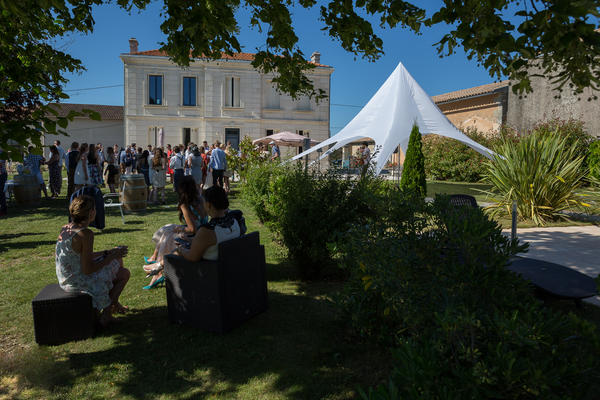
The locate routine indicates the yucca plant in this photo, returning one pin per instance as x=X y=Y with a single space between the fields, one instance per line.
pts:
x=541 y=172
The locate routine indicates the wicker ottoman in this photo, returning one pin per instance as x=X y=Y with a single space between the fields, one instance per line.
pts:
x=60 y=317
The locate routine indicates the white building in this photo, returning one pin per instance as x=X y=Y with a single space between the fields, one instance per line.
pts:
x=221 y=100
x=108 y=131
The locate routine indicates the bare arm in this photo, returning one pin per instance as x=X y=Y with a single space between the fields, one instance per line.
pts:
x=202 y=241
x=83 y=243
x=190 y=228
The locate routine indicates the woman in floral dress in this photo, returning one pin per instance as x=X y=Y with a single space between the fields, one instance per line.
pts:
x=80 y=269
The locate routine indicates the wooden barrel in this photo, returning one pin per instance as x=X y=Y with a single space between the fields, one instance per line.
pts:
x=26 y=190
x=133 y=192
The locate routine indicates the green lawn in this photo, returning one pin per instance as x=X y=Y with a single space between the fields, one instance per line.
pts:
x=296 y=350
x=444 y=187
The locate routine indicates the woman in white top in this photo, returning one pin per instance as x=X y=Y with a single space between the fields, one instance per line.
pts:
x=222 y=226
x=81 y=171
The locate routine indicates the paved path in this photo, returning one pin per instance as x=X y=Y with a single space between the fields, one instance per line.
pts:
x=577 y=247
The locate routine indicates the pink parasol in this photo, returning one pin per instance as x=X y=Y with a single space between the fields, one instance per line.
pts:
x=284 y=139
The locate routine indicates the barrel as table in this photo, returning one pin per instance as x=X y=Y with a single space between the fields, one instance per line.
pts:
x=134 y=192
x=26 y=190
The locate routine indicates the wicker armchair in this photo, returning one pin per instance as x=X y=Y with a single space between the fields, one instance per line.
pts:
x=217 y=296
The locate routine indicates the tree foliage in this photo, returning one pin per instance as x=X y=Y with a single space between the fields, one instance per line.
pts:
x=505 y=36
x=413 y=171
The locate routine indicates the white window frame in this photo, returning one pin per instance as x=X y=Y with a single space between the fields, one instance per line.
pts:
x=227 y=91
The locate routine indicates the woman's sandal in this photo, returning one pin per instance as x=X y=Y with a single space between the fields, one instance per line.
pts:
x=148 y=261
x=155 y=284
x=154 y=271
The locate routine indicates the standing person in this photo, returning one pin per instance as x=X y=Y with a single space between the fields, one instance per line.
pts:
x=62 y=156
x=195 y=164
x=217 y=164
x=228 y=173
x=150 y=149
x=365 y=154
x=55 y=172
x=205 y=146
x=81 y=170
x=95 y=177
x=159 y=176
x=177 y=164
x=72 y=158
x=202 y=150
x=275 y=153
x=34 y=162
x=80 y=269
x=112 y=171
x=101 y=160
x=143 y=167
x=169 y=170
x=3 y=178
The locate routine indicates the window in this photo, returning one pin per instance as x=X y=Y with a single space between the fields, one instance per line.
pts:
x=232 y=91
x=189 y=91
x=272 y=97
x=269 y=132
x=155 y=89
x=303 y=103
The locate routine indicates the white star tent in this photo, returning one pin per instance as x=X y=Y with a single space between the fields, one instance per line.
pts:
x=388 y=119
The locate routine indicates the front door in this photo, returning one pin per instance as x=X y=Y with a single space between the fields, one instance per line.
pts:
x=187 y=136
x=233 y=135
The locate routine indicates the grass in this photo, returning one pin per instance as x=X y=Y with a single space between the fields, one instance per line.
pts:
x=298 y=349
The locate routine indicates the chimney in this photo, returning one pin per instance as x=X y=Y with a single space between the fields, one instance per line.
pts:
x=133 y=45
x=315 y=58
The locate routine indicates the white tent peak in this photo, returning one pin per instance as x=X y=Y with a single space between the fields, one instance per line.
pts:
x=388 y=119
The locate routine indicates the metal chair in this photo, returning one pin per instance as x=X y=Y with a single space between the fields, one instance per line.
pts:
x=109 y=202
x=463 y=200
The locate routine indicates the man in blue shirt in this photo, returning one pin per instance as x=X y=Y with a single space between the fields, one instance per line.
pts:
x=275 y=154
x=217 y=164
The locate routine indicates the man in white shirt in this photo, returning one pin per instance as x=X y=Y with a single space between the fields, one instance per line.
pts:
x=61 y=154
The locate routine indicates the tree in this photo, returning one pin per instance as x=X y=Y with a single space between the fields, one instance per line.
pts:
x=505 y=36
x=413 y=171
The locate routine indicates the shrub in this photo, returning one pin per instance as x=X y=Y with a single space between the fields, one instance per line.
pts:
x=449 y=159
x=413 y=172
x=255 y=188
x=247 y=157
x=572 y=130
x=430 y=281
x=541 y=172
x=310 y=209
x=593 y=159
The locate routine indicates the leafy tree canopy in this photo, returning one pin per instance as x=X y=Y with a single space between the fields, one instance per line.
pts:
x=505 y=36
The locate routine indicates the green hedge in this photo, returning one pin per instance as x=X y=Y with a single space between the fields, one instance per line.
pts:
x=429 y=281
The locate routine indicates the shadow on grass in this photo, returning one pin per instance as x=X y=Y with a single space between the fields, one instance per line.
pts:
x=25 y=245
x=9 y=236
x=287 y=350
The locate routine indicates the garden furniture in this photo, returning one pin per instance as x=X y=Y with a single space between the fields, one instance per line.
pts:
x=217 y=296
x=60 y=317
x=553 y=279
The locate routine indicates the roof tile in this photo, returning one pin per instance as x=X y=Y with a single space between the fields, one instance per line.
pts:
x=224 y=56
x=106 y=112
x=474 y=91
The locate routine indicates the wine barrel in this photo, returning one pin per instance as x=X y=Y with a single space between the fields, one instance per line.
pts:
x=133 y=192
x=26 y=190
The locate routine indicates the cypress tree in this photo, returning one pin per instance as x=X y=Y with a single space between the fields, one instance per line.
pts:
x=413 y=173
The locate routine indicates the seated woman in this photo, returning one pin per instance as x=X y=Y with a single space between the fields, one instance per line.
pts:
x=222 y=226
x=167 y=238
x=79 y=268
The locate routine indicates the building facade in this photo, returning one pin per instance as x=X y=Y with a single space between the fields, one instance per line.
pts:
x=108 y=131
x=211 y=100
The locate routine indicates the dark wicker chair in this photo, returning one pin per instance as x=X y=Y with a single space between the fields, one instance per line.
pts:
x=60 y=317
x=463 y=200
x=217 y=296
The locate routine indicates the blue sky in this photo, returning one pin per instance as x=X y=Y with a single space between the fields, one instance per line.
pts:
x=353 y=82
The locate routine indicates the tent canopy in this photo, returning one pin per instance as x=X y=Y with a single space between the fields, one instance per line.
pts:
x=388 y=119
x=284 y=139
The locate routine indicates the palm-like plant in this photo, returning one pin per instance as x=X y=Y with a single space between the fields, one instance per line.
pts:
x=541 y=172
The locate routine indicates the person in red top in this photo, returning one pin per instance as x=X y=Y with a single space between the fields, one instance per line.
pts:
x=204 y=163
x=169 y=170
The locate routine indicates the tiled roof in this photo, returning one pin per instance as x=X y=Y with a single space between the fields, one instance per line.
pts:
x=224 y=56
x=106 y=112
x=474 y=91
